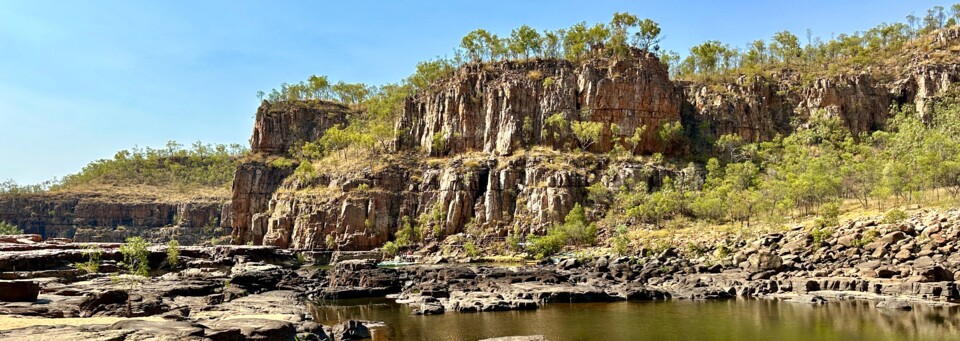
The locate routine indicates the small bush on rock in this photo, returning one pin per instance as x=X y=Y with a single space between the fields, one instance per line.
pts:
x=894 y=216
x=135 y=256
x=173 y=253
x=7 y=228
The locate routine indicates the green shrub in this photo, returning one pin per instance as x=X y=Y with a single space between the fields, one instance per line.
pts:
x=513 y=243
x=830 y=213
x=282 y=162
x=820 y=235
x=93 y=254
x=173 y=253
x=547 y=245
x=438 y=144
x=135 y=256
x=7 y=228
x=621 y=243
x=390 y=249
x=867 y=238
x=574 y=230
x=894 y=216
x=470 y=247
x=547 y=82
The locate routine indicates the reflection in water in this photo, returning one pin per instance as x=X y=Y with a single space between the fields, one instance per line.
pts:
x=672 y=320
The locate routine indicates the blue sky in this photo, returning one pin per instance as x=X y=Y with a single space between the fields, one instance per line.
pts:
x=80 y=80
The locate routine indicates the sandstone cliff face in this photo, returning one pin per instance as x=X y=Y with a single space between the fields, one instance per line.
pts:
x=485 y=124
x=97 y=218
x=759 y=109
x=495 y=195
x=504 y=107
x=254 y=183
x=283 y=125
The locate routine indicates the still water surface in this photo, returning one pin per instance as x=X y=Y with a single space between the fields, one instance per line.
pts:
x=671 y=320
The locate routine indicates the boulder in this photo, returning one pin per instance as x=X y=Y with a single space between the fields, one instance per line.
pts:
x=351 y=330
x=258 y=328
x=764 y=261
x=894 y=305
x=19 y=291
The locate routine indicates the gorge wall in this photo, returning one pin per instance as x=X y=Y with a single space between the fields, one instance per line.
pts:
x=466 y=157
x=89 y=217
x=502 y=108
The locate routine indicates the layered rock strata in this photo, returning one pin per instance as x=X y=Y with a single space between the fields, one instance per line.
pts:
x=102 y=218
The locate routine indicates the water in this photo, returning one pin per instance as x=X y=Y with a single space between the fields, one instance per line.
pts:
x=671 y=320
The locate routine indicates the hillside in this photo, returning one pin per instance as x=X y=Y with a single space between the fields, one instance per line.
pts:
x=497 y=153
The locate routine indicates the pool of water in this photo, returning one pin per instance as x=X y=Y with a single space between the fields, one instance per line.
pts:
x=671 y=320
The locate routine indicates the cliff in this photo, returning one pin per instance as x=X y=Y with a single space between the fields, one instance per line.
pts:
x=503 y=107
x=106 y=217
x=476 y=152
x=284 y=125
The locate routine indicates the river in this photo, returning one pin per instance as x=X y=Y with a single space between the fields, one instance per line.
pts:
x=743 y=319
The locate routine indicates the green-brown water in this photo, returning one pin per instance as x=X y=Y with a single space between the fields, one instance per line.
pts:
x=671 y=320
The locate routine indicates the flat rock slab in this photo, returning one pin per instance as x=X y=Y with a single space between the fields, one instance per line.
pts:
x=258 y=329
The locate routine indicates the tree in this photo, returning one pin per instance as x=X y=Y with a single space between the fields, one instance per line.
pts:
x=636 y=140
x=575 y=42
x=475 y=44
x=429 y=72
x=526 y=41
x=671 y=59
x=350 y=93
x=955 y=11
x=616 y=45
x=935 y=19
x=136 y=263
x=785 y=46
x=707 y=57
x=319 y=87
x=756 y=53
x=552 y=44
x=135 y=256
x=586 y=133
x=648 y=36
x=596 y=36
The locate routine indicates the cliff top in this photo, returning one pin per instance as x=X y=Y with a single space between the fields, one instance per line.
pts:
x=131 y=194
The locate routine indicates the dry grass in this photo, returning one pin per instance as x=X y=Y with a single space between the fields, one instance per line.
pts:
x=142 y=193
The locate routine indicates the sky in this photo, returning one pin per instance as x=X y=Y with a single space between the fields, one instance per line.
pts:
x=80 y=80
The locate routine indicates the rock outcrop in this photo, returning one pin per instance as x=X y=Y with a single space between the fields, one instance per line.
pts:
x=504 y=107
x=103 y=218
x=283 y=125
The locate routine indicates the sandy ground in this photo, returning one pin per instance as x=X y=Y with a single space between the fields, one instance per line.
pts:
x=8 y=322
x=12 y=322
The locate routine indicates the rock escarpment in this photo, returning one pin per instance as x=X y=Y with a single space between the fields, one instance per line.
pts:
x=522 y=194
x=283 y=125
x=102 y=218
x=758 y=108
x=505 y=107
x=491 y=149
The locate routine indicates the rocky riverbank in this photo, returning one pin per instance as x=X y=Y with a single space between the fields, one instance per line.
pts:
x=263 y=293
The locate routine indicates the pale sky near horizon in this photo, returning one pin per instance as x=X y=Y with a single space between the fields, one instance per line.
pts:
x=82 y=80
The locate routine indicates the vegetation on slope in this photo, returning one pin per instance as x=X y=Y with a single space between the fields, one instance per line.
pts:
x=200 y=168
